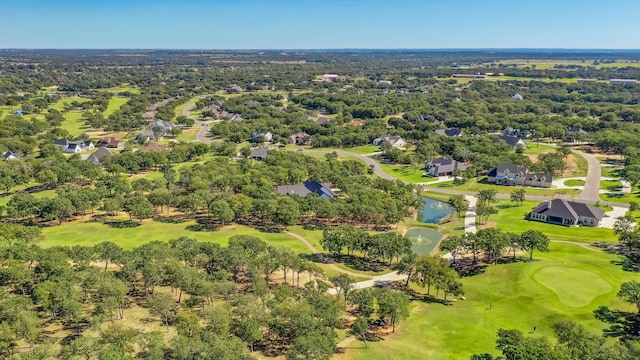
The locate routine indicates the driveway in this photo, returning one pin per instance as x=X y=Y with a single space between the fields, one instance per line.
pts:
x=591 y=191
x=611 y=216
x=470 y=215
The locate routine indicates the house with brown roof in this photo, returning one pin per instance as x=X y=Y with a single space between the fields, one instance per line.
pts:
x=153 y=147
x=300 y=138
x=111 y=143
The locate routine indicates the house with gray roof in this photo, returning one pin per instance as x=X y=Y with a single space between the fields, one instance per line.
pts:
x=98 y=156
x=395 y=141
x=567 y=213
x=513 y=141
x=453 y=132
x=10 y=156
x=161 y=126
x=323 y=190
x=258 y=136
x=74 y=147
x=259 y=154
x=515 y=175
x=443 y=167
x=575 y=134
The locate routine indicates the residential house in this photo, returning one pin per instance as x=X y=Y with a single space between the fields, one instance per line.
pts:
x=111 y=143
x=233 y=117
x=513 y=141
x=162 y=127
x=10 y=156
x=517 y=97
x=259 y=154
x=512 y=174
x=575 y=134
x=234 y=89
x=300 y=138
x=145 y=137
x=443 y=167
x=74 y=147
x=258 y=136
x=509 y=131
x=251 y=103
x=323 y=120
x=453 y=132
x=18 y=112
x=568 y=213
x=323 y=190
x=153 y=147
x=395 y=141
x=98 y=156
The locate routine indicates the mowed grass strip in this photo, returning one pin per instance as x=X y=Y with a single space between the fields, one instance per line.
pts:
x=89 y=233
x=558 y=285
x=406 y=173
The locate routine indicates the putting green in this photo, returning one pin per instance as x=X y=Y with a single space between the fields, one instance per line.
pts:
x=574 y=287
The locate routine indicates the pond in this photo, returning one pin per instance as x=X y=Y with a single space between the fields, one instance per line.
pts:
x=433 y=210
x=424 y=240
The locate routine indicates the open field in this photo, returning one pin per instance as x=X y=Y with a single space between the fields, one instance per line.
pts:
x=124 y=88
x=481 y=184
x=363 y=150
x=180 y=108
x=611 y=185
x=406 y=173
x=88 y=233
x=537 y=149
x=567 y=283
x=511 y=218
x=114 y=104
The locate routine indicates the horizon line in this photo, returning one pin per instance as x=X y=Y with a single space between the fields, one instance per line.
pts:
x=328 y=49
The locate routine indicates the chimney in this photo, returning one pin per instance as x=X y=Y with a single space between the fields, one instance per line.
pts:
x=549 y=204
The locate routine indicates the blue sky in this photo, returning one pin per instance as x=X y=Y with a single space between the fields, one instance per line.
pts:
x=304 y=24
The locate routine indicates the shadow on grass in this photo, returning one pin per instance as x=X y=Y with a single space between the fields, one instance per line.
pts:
x=169 y=219
x=204 y=225
x=122 y=224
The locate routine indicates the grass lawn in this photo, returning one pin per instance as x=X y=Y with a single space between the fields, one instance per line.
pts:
x=511 y=218
x=88 y=233
x=179 y=108
x=124 y=88
x=621 y=198
x=188 y=134
x=574 y=183
x=114 y=104
x=537 y=149
x=363 y=150
x=567 y=283
x=406 y=173
x=481 y=184
x=611 y=185
x=608 y=171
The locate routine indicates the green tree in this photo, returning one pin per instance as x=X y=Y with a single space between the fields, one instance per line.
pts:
x=458 y=203
x=359 y=329
x=531 y=240
x=162 y=305
x=393 y=305
x=518 y=195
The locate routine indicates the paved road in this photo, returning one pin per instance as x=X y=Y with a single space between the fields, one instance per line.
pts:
x=470 y=215
x=591 y=191
x=204 y=126
x=589 y=194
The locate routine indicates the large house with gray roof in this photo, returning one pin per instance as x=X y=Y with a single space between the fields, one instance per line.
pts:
x=515 y=175
x=567 y=213
x=443 y=167
x=323 y=190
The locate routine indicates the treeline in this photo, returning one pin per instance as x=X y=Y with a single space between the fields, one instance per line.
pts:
x=220 y=190
x=222 y=301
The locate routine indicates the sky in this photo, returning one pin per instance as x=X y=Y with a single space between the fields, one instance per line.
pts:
x=319 y=24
